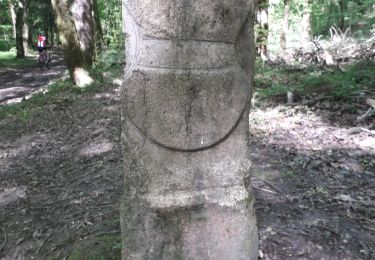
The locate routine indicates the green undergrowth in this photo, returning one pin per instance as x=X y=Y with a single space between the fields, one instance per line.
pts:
x=109 y=64
x=353 y=80
x=106 y=247
x=8 y=60
x=107 y=68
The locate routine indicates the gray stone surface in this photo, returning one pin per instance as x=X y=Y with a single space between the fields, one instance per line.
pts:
x=185 y=130
x=185 y=109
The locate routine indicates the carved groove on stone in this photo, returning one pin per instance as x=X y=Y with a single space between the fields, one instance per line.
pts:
x=136 y=66
x=187 y=54
x=177 y=149
x=234 y=193
x=150 y=37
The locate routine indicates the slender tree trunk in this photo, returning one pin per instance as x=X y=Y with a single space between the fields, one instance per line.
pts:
x=51 y=23
x=306 y=21
x=108 y=26
x=19 y=30
x=25 y=28
x=73 y=54
x=98 y=26
x=341 y=7
x=262 y=21
x=13 y=15
x=285 y=26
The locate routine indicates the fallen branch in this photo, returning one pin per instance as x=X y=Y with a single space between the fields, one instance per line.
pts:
x=5 y=239
x=326 y=228
x=369 y=113
x=270 y=184
x=44 y=241
x=269 y=191
x=106 y=233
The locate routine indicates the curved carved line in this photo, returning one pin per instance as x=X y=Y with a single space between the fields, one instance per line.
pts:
x=177 y=149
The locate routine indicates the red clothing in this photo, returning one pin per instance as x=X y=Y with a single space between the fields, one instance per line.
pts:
x=42 y=41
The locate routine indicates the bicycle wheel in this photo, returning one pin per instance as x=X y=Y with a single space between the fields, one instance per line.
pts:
x=48 y=62
x=41 y=65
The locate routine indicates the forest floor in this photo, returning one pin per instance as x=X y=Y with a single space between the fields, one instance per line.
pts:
x=17 y=83
x=61 y=178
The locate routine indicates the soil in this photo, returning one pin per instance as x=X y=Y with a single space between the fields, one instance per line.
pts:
x=61 y=178
x=314 y=180
x=19 y=83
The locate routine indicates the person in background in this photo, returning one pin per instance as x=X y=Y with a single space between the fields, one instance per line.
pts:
x=42 y=46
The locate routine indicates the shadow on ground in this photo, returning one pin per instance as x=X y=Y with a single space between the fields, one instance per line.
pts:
x=314 y=185
x=61 y=178
x=18 y=83
x=61 y=182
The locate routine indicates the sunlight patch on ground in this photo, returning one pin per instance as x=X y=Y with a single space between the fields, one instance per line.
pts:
x=7 y=55
x=11 y=92
x=82 y=77
x=97 y=148
x=113 y=95
x=307 y=131
x=117 y=82
x=8 y=195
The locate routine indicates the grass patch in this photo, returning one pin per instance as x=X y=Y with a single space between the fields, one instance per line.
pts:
x=23 y=111
x=106 y=247
x=109 y=65
x=356 y=79
x=8 y=59
x=107 y=68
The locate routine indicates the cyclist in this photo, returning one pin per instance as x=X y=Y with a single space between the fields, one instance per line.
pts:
x=42 y=46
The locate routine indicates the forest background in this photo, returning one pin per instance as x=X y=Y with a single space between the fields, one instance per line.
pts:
x=312 y=129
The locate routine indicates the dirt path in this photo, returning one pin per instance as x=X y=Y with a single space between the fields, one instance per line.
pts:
x=61 y=180
x=314 y=182
x=18 y=83
x=60 y=176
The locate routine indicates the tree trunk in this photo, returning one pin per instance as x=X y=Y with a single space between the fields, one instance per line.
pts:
x=306 y=21
x=98 y=26
x=285 y=26
x=25 y=28
x=19 y=30
x=14 y=17
x=341 y=9
x=74 y=56
x=262 y=23
x=187 y=84
x=84 y=24
x=51 y=31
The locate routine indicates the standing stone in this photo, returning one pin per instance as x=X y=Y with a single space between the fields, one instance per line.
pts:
x=185 y=130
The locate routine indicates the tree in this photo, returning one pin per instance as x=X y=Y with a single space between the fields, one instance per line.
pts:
x=84 y=25
x=262 y=29
x=341 y=14
x=285 y=25
x=111 y=26
x=22 y=28
x=76 y=44
x=13 y=15
x=7 y=25
x=99 y=40
x=41 y=18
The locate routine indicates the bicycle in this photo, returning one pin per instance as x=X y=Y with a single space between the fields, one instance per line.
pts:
x=44 y=60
